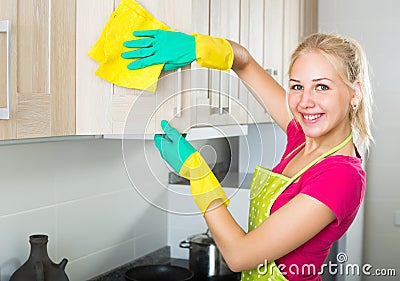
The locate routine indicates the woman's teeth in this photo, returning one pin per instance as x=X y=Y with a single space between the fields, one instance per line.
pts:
x=311 y=117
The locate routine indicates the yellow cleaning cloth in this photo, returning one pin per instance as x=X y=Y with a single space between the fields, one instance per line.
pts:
x=128 y=17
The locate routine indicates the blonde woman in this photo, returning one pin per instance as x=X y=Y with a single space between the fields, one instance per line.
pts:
x=309 y=200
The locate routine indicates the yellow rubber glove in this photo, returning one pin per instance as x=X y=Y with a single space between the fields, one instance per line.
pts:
x=188 y=162
x=204 y=185
x=212 y=52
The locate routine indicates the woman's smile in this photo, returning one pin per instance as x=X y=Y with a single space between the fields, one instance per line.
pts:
x=311 y=118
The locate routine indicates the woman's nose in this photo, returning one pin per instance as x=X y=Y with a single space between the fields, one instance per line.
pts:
x=307 y=98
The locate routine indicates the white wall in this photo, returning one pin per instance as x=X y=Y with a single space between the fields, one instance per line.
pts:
x=375 y=25
x=264 y=145
x=78 y=192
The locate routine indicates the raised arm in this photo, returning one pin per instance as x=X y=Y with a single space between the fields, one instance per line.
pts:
x=176 y=49
x=262 y=85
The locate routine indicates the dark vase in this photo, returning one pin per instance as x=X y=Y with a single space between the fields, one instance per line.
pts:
x=39 y=267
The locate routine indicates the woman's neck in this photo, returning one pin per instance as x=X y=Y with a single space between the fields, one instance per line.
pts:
x=328 y=141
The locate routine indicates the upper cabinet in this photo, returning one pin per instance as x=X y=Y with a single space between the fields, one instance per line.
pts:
x=53 y=90
x=104 y=108
x=41 y=69
x=271 y=30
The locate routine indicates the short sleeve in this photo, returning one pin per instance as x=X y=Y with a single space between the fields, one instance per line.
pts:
x=340 y=185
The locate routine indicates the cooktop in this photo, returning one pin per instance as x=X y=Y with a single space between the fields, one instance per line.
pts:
x=185 y=263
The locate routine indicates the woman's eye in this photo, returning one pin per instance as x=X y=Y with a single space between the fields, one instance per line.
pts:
x=322 y=88
x=297 y=87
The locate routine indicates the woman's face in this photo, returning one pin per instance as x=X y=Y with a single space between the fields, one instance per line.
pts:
x=318 y=98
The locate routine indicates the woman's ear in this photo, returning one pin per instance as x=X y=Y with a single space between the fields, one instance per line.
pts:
x=356 y=94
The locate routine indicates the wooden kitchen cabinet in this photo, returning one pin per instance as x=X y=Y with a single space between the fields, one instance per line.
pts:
x=53 y=88
x=42 y=68
x=270 y=30
x=54 y=91
x=221 y=104
x=104 y=108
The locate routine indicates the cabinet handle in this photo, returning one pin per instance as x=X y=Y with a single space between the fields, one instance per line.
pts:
x=223 y=109
x=5 y=27
x=178 y=108
x=273 y=73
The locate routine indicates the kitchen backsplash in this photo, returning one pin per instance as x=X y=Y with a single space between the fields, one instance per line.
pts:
x=78 y=193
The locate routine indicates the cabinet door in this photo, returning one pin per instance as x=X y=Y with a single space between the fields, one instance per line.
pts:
x=42 y=70
x=172 y=97
x=103 y=108
x=254 y=30
x=221 y=103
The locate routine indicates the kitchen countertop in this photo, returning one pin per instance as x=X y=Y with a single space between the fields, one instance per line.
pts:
x=161 y=256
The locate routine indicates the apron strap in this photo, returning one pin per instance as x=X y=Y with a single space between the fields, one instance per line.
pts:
x=326 y=154
x=294 y=150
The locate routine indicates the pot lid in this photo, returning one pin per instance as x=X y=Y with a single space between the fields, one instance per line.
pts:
x=202 y=239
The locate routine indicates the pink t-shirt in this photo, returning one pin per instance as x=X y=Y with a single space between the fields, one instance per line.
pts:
x=337 y=181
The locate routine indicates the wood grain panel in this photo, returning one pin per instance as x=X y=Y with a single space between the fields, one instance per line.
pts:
x=34 y=115
x=33 y=46
x=93 y=95
x=62 y=65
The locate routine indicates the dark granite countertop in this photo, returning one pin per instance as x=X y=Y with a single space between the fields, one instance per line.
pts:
x=161 y=256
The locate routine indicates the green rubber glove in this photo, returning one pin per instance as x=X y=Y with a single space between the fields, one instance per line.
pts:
x=188 y=162
x=173 y=147
x=174 y=49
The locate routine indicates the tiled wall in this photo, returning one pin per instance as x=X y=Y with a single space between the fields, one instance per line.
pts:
x=79 y=193
x=374 y=24
x=181 y=225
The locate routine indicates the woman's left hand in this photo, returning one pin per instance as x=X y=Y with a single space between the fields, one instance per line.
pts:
x=174 y=49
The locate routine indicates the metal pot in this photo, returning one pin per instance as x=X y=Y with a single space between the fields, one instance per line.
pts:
x=205 y=260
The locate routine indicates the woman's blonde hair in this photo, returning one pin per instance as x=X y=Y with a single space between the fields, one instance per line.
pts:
x=349 y=60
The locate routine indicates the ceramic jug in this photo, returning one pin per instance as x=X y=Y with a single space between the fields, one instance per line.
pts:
x=39 y=267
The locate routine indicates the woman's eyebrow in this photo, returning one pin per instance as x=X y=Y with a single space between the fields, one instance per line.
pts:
x=314 y=80
x=320 y=79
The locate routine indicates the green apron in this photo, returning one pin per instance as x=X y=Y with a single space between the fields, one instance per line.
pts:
x=265 y=188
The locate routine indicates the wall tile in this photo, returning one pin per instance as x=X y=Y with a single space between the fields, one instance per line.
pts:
x=26 y=179
x=181 y=226
x=380 y=186
x=79 y=193
x=100 y=262
x=382 y=254
x=102 y=221
x=100 y=170
x=151 y=242
x=379 y=218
